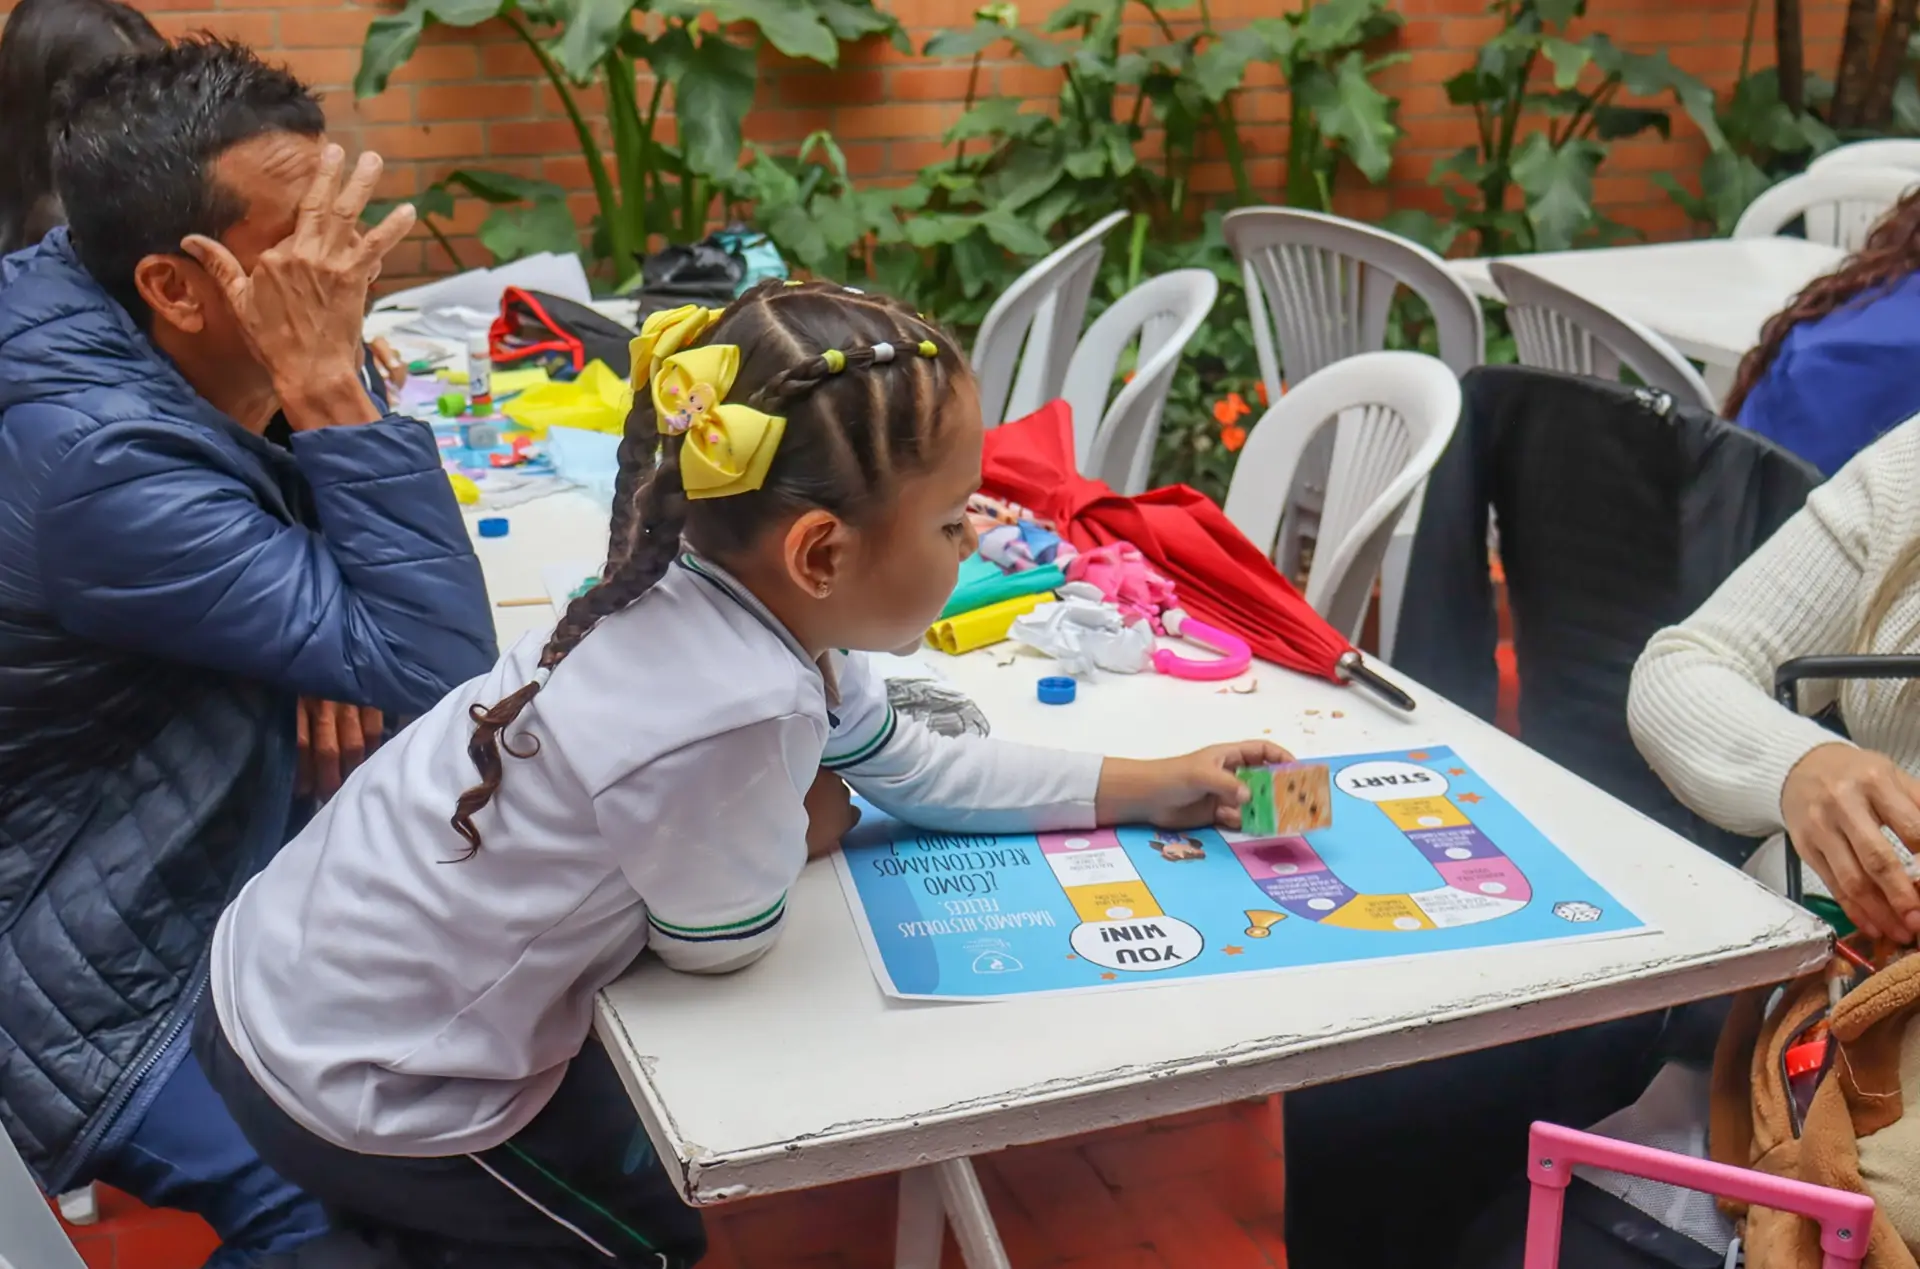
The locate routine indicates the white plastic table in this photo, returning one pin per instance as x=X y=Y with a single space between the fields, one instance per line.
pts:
x=1709 y=297
x=798 y=1072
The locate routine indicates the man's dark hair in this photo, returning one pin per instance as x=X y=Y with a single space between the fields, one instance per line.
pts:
x=135 y=144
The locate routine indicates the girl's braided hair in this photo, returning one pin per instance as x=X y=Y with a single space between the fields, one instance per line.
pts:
x=1891 y=252
x=857 y=420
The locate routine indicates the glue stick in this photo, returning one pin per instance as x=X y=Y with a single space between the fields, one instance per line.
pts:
x=479 y=374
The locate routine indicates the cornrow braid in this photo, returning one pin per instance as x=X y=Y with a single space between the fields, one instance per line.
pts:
x=661 y=513
x=863 y=384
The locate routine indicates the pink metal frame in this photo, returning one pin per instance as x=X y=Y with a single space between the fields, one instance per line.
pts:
x=1845 y=1219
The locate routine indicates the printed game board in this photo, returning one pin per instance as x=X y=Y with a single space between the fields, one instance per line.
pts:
x=1423 y=856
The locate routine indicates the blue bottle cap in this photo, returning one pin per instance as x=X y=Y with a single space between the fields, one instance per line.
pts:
x=1058 y=690
x=494 y=527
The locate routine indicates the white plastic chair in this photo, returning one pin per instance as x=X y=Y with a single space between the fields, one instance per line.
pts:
x=1113 y=441
x=1840 y=204
x=1027 y=338
x=30 y=1236
x=1326 y=284
x=1555 y=329
x=1895 y=152
x=1392 y=415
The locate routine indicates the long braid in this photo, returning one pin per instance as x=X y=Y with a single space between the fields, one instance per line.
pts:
x=661 y=513
x=1891 y=252
x=638 y=443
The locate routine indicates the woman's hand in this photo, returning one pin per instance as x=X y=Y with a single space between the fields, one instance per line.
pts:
x=1200 y=789
x=831 y=814
x=1834 y=803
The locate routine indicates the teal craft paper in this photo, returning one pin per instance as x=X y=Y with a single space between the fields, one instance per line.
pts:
x=982 y=583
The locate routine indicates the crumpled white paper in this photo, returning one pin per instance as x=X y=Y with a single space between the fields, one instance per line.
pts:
x=1084 y=633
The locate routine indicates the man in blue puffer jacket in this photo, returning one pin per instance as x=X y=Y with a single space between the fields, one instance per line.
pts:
x=171 y=584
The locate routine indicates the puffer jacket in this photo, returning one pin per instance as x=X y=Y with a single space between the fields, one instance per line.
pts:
x=163 y=605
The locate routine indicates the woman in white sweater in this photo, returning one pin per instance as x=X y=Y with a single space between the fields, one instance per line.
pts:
x=1842 y=576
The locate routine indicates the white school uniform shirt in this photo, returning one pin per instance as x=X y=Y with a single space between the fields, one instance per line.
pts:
x=395 y=999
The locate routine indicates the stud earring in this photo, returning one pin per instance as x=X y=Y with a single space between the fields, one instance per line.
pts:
x=823 y=590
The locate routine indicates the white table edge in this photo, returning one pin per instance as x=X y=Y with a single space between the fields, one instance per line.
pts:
x=881 y=1147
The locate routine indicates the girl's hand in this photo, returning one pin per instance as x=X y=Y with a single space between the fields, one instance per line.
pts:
x=1199 y=789
x=831 y=814
x=1834 y=803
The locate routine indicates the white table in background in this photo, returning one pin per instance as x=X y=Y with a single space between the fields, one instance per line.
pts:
x=798 y=1072
x=1708 y=298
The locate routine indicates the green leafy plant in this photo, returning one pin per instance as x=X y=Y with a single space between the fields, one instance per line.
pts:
x=1775 y=119
x=528 y=216
x=650 y=187
x=1334 y=109
x=1589 y=92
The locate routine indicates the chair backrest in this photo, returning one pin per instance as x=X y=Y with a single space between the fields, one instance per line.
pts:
x=1554 y=329
x=30 y=1234
x=1840 y=204
x=1114 y=441
x=1895 y=152
x=1394 y=413
x=1032 y=328
x=1325 y=285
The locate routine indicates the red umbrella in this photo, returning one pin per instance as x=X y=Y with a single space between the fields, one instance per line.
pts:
x=1223 y=579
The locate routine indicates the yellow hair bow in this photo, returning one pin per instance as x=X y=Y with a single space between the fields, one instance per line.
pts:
x=665 y=334
x=727 y=449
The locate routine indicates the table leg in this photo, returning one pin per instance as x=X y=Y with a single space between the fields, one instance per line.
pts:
x=922 y=1223
x=973 y=1226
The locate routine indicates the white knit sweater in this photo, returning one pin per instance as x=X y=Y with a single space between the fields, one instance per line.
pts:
x=1702 y=707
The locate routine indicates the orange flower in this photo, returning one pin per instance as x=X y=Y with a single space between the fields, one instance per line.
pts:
x=1229 y=408
x=1260 y=390
x=1233 y=437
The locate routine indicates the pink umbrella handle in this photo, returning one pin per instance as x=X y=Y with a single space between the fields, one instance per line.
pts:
x=1235 y=655
x=1845 y=1220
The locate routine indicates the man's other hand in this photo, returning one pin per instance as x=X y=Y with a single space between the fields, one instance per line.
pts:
x=334 y=739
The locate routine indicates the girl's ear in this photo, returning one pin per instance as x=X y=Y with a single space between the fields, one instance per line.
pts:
x=817 y=551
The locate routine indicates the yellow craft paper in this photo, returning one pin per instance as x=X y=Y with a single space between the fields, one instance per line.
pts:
x=597 y=401
x=969 y=630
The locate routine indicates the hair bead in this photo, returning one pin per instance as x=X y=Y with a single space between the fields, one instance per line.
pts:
x=928 y=348
x=882 y=353
x=835 y=359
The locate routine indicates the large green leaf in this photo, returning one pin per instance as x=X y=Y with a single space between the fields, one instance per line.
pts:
x=590 y=31
x=1352 y=112
x=1568 y=60
x=392 y=38
x=993 y=117
x=711 y=99
x=512 y=232
x=1612 y=123
x=1558 y=183
x=852 y=20
x=1039 y=50
x=1464 y=163
x=1014 y=233
x=1075 y=12
x=794 y=28
x=1333 y=26
x=964 y=42
x=1558 y=12
x=390 y=41
x=1222 y=65
x=503 y=187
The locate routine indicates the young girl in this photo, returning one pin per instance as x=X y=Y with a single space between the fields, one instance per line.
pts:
x=403 y=1000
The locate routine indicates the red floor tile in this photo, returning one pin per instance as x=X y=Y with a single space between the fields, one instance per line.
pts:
x=1198 y=1191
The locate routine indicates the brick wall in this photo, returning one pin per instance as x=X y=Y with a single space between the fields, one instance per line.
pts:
x=477 y=98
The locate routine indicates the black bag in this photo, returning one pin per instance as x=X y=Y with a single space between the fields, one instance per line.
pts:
x=537 y=329
x=703 y=273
